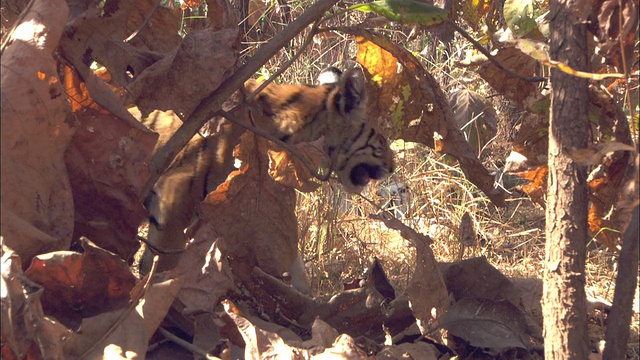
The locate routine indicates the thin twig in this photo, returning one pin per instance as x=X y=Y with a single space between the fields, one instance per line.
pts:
x=295 y=57
x=144 y=23
x=491 y=58
x=157 y=249
x=207 y=108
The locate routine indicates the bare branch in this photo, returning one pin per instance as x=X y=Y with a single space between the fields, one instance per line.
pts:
x=212 y=103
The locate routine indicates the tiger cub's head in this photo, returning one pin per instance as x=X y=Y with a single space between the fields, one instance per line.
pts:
x=335 y=109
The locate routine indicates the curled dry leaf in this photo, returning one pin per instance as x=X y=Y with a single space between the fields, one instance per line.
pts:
x=80 y=285
x=427 y=291
x=205 y=271
x=37 y=126
x=124 y=333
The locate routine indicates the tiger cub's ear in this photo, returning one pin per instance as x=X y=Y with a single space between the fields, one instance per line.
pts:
x=349 y=94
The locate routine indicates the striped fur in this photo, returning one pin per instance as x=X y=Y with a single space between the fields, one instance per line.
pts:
x=334 y=109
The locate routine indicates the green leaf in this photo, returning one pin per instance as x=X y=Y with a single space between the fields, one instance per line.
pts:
x=520 y=16
x=405 y=11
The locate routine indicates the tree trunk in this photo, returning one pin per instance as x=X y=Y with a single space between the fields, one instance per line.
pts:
x=564 y=299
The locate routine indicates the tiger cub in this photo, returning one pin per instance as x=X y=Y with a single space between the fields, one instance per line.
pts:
x=334 y=109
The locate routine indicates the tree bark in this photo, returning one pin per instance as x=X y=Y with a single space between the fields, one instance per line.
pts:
x=617 y=333
x=564 y=298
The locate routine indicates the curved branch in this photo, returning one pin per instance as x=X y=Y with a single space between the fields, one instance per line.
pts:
x=212 y=103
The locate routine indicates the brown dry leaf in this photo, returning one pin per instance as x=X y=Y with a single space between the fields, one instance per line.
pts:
x=467 y=231
x=322 y=335
x=530 y=294
x=129 y=330
x=161 y=32
x=488 y=323
x=181 y=79
x=156 y=303
x=26 y=331
x=344 y=348
x=107 y=162
x=37 y=126
x=537 y=188
x=610 y=32
x=205 y=271
x=427 y=291
x=253 y=214
x=248 y=221
x=128 y=340
x=476 y=278
x=288 y=170
x=521 y=93
x=260 y=343
x=417 y=107
x=80 y=285
x=167 y=77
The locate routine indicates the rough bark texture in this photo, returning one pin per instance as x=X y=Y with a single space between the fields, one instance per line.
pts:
x=618 y=329
x=564 y=299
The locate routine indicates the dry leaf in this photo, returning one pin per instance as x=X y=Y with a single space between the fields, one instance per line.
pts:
x=427 y=291
x=287 y=169
x=487 y=323
x=37 y=126
x=260 y=343
x=80 y=285
x=477 y=278
x=467 y=231
x=26 y=331
x=523 y=94
x=107 y=162
x=593 y=155
x=181 y=79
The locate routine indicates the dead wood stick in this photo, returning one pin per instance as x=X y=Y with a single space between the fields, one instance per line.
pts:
x=213 y=102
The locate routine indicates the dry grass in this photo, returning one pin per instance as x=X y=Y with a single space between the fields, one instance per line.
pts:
x=338 y=241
